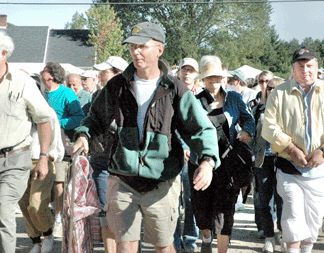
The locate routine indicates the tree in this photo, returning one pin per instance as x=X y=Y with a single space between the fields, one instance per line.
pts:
x=105 y=32
x=194 y=29
x=78 y=22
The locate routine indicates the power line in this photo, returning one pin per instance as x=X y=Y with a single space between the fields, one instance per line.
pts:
x=165 y=3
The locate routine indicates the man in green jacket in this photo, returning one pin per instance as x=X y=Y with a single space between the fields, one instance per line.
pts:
x=148 y=106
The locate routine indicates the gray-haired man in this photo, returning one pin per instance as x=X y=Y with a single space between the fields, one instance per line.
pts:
x=20 y=103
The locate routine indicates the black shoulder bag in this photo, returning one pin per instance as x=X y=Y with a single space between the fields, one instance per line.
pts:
x=238 y=159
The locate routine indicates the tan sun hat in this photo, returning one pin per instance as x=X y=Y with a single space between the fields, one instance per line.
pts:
x=212 y=69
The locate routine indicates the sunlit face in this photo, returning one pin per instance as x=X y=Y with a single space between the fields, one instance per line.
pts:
x=146 y=55
x=88 y=84
x=47 y=78
x=74 y=83
x=213 y=83
x=187 y=75
x=3 y=57
x=305 y=72
x=263 y=81
x=105 y=76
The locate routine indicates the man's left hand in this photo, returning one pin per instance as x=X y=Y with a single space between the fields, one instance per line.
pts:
x=315 y=158
x=203 y=176
x=41 y=169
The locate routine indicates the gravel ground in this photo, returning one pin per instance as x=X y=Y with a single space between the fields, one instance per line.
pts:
x=244 y=238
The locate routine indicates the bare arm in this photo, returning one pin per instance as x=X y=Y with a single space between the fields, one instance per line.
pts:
x=44 y=135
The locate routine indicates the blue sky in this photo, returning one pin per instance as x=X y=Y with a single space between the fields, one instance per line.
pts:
x=292 y=20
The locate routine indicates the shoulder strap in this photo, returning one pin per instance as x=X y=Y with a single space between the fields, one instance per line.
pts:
x=220 y=131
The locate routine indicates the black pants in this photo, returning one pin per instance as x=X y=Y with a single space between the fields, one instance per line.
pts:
x=214 y=208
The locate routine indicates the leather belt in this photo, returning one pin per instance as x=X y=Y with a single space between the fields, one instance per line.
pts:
x=15 y=151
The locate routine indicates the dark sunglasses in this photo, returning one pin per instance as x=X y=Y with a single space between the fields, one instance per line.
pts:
x=269 y=88
x=263 y=81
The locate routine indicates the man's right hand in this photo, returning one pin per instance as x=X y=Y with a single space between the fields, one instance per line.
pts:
x=296 y=155
x=81 y=142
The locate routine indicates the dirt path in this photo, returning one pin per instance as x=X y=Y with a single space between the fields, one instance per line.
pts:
x=244 y=237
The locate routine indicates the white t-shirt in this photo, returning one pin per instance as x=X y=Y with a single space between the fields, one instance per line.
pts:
x=144 y=94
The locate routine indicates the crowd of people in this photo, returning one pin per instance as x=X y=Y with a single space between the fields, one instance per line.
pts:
x=157 y=139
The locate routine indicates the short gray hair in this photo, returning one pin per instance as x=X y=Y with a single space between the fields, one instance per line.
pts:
x=6 y=43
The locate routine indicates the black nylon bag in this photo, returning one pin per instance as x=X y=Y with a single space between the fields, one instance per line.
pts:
x=240 y=163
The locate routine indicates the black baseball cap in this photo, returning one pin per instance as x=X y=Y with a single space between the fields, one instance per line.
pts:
x=144 y=32
x=303 y=53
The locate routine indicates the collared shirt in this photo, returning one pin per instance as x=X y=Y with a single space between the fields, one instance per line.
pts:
x=84 y=97
x=292 y=117
x=21 y=103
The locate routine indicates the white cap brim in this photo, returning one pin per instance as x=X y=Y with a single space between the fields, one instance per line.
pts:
x=102 y=66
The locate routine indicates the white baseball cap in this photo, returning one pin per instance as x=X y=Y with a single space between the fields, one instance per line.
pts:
x=89 y=73
x=189 y=62
x=112 y=62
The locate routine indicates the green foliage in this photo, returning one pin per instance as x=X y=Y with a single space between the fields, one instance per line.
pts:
x=239 y=33
x=105 y=32
x=235 y=32
x=78 y=22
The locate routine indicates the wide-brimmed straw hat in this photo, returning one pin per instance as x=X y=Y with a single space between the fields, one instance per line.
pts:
x=212 y=69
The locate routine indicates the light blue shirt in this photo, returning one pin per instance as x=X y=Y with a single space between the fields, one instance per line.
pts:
x=307 y=171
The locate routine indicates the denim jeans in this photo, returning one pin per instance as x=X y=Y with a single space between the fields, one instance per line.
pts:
x=266 y=198
x=190 y=231
x=99 y=176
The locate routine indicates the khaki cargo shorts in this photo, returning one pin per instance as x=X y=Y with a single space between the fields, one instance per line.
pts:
x=158 y=208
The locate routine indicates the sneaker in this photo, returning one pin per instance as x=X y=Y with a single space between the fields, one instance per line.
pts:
x=58 y=229
x=206 y=247
x=283 y=245
x=36 y=249
x=269 y=245
x=47 y=244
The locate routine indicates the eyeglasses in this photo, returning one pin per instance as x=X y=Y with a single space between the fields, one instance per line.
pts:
x=269 y=88
x=83 y=78
x=143 y=47
x=263 y=81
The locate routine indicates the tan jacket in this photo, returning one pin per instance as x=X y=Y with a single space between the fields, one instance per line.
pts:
x=284 y=120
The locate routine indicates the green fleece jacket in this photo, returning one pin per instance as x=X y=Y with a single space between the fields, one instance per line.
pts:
x=158 y=155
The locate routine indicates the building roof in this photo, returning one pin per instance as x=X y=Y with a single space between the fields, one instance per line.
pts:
x=70 y=46
x=39 y=44
x=30 y=43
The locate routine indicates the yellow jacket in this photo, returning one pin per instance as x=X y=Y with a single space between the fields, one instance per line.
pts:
x=284 y=120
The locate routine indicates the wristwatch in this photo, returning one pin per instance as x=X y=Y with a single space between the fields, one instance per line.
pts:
x=44 y=154
x=209 y=160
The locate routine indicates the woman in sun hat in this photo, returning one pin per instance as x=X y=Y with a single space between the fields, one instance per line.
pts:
x=214 y=208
